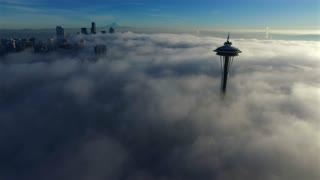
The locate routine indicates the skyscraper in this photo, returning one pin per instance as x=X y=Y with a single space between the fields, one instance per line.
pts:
x=93 y=28
x=84 y=31
x=111 y=30
x=60 y=35
x=100 y=50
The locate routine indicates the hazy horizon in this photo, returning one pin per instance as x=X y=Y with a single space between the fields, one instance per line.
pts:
x=235 y=34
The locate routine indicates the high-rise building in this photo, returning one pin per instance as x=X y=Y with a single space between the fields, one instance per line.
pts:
x=3 y=50
x=100 y=50
x=93 y=28
x=80 y=44
x=33 y=41
x=84 y=31
x=111 y=30
x=60 y=35
x=40 y=47
x=50 y=44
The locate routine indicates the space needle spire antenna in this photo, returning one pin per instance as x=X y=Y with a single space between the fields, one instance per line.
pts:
x=227 y=53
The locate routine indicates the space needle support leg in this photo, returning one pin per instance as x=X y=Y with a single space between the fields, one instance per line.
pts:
x=225 y=73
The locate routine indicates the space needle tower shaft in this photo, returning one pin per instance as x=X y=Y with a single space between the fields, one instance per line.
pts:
x=225 y=71
x=227 y=54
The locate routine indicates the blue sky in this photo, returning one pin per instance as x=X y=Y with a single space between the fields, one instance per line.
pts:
x=198 y=14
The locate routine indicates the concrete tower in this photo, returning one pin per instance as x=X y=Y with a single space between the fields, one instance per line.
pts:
x=226 y=53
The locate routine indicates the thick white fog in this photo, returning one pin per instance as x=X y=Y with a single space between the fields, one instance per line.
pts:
x=151 y=110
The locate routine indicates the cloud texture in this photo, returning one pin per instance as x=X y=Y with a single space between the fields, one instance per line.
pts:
x=151 y=110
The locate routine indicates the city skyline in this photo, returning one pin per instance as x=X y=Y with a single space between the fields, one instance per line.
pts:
x=247 y=14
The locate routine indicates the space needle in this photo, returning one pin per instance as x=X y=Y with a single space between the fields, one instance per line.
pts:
x=227 y=54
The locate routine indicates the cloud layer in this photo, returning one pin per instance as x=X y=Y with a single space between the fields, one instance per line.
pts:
x=151 y=110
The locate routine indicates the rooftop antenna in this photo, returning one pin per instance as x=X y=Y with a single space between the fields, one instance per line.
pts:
x=227 y=54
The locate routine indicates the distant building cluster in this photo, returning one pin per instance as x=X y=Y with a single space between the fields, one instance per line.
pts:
x=93 y=30
x=13 y=45
x=44 y=47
